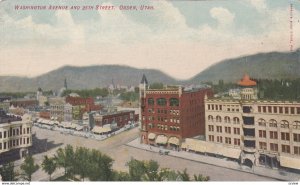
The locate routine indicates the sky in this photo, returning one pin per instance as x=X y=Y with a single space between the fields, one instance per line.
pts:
x=181 y=38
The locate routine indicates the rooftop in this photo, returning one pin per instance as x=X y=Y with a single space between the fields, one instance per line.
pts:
x=246 y=81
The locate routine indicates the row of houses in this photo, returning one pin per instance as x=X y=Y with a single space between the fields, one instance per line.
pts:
x=245 y=129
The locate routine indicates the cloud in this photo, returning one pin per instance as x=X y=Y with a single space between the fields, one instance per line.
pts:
x=166 y=42
x=259 y=5
x=223 y=16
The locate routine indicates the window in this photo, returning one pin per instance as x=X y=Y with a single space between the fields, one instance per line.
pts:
x=285 y=136
x=280 y=110
x=262 y=122
x=236 y=131
x=161 y=101
x=219 y=129
x=274 y=147
x=227 y=140
x=285 y=149
x=269 y=109
x=297 y=137
x=284 y=124
x=150 y=101
x=236 y=120
x=263 y=145
x=210 y=128
x=227 y=119
x=296 y=125
x=273 y=135
x=272 y=123
x=298 y=110
x=259 y=108
x=228 y=130
x=0 y=135
x=219 y=139
x=211 y=138
x=4 y=134
x=174 y=102
x=237 y=142
x=218 y=119
x=264 y=109
x=208 y=106
x=210 y=118
x=296 y=150
x=262 y=134
x=292 y=110
x=286 y=110
x=275 y=109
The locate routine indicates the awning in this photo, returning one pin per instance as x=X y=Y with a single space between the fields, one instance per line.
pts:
x=56 y=122
x=151 y=136
x=50 y=123
x=79 y=127
x=290 y=162
x=44 y=121
x=100 y=130
x=174 y=140
x=161 y=139
x=209 y=147
x=39 y=120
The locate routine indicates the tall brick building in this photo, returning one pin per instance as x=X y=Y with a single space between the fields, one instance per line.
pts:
x=171 y=114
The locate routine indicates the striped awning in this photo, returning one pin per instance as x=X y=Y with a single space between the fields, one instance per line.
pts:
x=290 y=162
x=151 y=136
x=100 y=130
x=174 y=140
x=161 y=139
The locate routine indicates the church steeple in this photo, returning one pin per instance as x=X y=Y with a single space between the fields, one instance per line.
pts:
x=144 y=80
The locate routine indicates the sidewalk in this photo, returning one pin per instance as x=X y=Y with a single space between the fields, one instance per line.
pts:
x=267 y=172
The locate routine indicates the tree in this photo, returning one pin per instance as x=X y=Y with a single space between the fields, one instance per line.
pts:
x=121 y=176
x=156 y=85
x=184 y=175
x=7 y=172
x=49 y=165
x=201 y=178
x=151 y=171
x=81 y=162
x=28 y=167
x=65 y=159
x=136 y=169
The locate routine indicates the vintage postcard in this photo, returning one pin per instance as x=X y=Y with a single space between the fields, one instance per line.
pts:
x=149 y=90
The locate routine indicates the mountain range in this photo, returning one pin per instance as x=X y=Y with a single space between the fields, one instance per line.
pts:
x=273 y=65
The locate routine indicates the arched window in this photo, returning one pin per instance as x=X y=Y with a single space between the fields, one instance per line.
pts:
x=284 y=124
x=272 y=123
x=174 y=102
x=210 y=118
x=161 y=101
x=262 y=122
x=296 y=125
x=218 y=119
x=150 y=101
x=236 y=120
x=227 y=119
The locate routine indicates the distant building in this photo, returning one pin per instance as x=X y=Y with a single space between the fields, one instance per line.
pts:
x=41 y=98
x=4 y=104
x=171 y=114
x=57 y=108
x=121 y=118
x=15 y=134
x=81 y=105
x=24 y=103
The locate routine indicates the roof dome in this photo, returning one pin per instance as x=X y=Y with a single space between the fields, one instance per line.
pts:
x=246 y=81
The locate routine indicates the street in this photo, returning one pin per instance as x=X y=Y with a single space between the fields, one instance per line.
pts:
x=47 y=142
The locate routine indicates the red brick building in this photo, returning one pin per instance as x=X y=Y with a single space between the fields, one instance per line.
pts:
x=122 y=118
x=45 y=115
x=24 y=103
x=171 y=114
x=88 y=102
